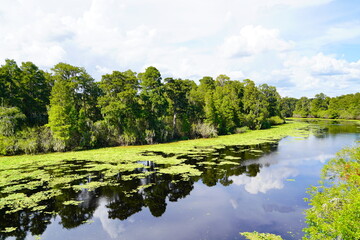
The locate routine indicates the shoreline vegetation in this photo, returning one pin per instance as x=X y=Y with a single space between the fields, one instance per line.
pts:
x=66 y=109
x=334 y=211
x=134 y=153
x=51 y=174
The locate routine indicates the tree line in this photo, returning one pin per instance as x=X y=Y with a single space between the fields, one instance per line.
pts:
x=321 y=106
x=66 y=109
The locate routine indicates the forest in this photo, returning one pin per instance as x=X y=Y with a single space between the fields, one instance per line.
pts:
x=66 y=109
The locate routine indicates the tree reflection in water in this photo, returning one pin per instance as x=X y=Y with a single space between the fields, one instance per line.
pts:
x=127 y=197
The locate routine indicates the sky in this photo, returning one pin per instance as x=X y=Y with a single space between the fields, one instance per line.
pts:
x=302 y=47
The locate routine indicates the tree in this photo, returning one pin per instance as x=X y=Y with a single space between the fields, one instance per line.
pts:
x=227 y=103
x=255 y=106
x=287 y=106
x=177 y=92
x=302 y=108
x=273 y=99
x=319 y=105
x=120 y=105
x=10 y=75
x=153 y=103
x=70 y=95
x=34 y=94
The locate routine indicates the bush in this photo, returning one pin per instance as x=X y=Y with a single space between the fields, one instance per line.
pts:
x=11 y=120
x=242 y=130
x=276 y=120
x=335 y=211
x=204 y=130
x=149 y=136
x=8 y=145
x=127 y=139
x=28 y=141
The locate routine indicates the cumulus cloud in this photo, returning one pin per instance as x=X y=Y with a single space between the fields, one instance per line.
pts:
x=253 y=40
x=186 y=39
x=267 y=179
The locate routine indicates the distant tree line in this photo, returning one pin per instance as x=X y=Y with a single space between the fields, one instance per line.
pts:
x=66 y=109
x=321 y=106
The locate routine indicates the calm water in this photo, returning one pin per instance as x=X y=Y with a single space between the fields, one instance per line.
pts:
x=262 y=192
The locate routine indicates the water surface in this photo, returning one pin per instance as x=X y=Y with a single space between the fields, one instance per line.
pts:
x=241 y=188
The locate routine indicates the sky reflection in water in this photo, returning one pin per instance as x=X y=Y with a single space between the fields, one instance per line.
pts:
x=267 y=197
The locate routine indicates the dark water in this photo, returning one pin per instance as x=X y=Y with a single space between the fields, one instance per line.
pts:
x=263 y=192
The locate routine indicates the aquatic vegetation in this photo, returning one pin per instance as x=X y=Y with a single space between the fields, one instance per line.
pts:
x=260 y=236
x=32 y=183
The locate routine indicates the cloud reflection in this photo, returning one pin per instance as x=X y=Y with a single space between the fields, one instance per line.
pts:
x=265 y=180
x=111 y=227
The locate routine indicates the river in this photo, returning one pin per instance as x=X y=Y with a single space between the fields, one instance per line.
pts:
x=257 y=188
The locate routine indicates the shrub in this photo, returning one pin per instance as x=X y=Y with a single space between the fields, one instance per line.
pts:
x=149 y=136
x=335 y=211
x=28 y=141
x=127 y=139
x=276 y=120
x=242 y=130
x=204 y=130
x=11 y=120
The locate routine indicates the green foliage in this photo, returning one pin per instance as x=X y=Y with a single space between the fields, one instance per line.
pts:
x=11 y=120
x=335 y=211
x=302 y=108
x=260 y=236
x=204 y=130
x=72 y=106
x=276 y=120
x=255 y=106
x=287 y=106
x=68 y=110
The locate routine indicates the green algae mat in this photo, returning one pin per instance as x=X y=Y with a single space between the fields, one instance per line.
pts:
x=30 y=181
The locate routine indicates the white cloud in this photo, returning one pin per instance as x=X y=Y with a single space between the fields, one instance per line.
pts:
x=186 y=39
x=254 y=40
x=265 y=180
x=322 y=73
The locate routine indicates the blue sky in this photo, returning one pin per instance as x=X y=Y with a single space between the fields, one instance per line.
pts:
x=302 y=47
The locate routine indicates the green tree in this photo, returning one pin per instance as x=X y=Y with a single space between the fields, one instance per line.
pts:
x=120 y=105
x=153 y=103
x=255 y=106
x=178 y=93
x=273 y=99
x=10 y=75
x=319 y=105
x=287 y=106
x=34 y=94
x=227 y=104
x=302 y=108
x=71 y=93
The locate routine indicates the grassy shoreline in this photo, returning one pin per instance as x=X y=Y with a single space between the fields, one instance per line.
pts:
x=324 y=119
x=133 y=153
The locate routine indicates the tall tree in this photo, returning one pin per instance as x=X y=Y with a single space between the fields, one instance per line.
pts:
x=255 y=106
x=34 y=93
x=120 y=104
x=273 y=99
x=178 y=93
x=154 y=104
x=10 y=75
x=70 y=95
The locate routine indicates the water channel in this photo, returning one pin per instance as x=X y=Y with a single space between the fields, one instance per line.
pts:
x=258 y=188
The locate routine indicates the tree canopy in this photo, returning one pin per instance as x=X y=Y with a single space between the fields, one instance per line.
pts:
x=66 y=109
